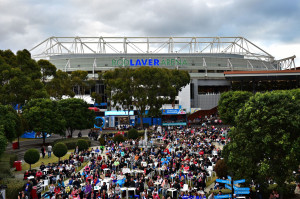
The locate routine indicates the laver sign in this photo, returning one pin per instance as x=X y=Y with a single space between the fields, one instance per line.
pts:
x=149 y=62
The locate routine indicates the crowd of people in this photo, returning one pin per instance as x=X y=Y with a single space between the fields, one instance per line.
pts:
x=170 y=163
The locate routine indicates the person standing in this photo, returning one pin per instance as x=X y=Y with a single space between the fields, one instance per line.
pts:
x=49 y=151
x=43 y=151
x=39 y=189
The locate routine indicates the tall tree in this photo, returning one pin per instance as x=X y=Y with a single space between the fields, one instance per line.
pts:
x=47 y=69
x=230 y=103
x=43 y=115
x=60 y=85
x=80 y=81
x=265 y=142
x=76 y=114
x=145 y=88
x=10 y=122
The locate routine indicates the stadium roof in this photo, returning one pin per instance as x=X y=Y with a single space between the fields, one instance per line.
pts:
x=124 y=45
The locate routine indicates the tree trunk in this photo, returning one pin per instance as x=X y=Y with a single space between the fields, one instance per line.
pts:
x=71 y=133
x=142 y=123
x=44 y=138
x=29 y=166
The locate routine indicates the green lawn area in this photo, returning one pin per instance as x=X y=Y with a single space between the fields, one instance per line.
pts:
x=46 y=160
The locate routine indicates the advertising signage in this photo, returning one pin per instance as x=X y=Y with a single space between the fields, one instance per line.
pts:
x=149 y=62
x=173 y=112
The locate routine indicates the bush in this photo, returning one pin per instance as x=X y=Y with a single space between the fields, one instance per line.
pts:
x=3 y=143
x=31 y=156
x=133 y=134
x=118 y=138
x=82 y=145
x=59 y=150
x=71 y=143
x=5 y=166
x=14 y=186
x=221 y=168
x=102 y=141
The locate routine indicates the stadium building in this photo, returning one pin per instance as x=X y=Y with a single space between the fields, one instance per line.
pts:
x=214 y=63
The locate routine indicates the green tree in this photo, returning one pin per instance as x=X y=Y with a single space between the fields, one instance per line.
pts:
x=42 y=115
x=221 y=168
x=230 y=103
x=3 y=141
x=265 y=142
x=47 y=69
x=76 y=114
x=10 y=121
x=59 y=150
x=80 y=81
x=145 y=88
x=31 y=156
x=60 y=85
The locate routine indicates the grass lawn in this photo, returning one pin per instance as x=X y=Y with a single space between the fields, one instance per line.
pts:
x=23 y=139
x=46 y=160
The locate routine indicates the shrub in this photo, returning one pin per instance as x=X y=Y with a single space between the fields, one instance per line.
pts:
x=14 y=186
x=118 y=138
x=72 y=142
x=102 y=141
x=5 y=171
x=31 y=156
x=221 y=168
x=133 y=134
x=59 y=150
x=3 y=143
x=82 y=145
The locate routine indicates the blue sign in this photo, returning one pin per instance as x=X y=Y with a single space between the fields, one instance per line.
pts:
x=227 y=186
x=241 y=192
x=229 y=178
x=223 y=181
x=118 y=113
x=172 y=112
x=241 y=188
x=239 y=181
x=175 y=124
x=223 y=196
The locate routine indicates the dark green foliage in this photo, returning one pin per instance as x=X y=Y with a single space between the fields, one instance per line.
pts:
x=133 y=134
x=82 y=145
x=76 y=114
x=102 y=141
x=265 y=142
x=3 y=142
x=59 y=150
x=6 y=163
x=118 y=138
x=31 y=156
x=71 y=143
x=14 y=186
x=9 y=122
x=47 y=69
x=230 y=103
x=150 y=87
x=221 y=168
x=43 y=116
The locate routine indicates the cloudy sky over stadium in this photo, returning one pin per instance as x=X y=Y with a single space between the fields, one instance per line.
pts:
x=274 y=25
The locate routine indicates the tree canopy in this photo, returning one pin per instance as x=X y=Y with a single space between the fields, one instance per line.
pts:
x=76 y=114
x=265 y=142
x=145 y=88
x=10 y=122
x=230 y=103
x=43 y=115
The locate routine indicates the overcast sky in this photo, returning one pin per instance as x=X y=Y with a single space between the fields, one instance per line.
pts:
x=274 y=25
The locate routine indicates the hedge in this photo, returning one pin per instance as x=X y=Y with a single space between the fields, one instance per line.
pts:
x=71 y=142
x=102 y=141
x=14 y=186
x=118 y=138
x=6 y=163
x=133 y=134
x=82 y=144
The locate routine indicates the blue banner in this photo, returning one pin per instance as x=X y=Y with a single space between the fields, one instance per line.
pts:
x=229 y=178
x=239 y=181
x=242 y=192
x=173 y=112
x=223 y=196
x=241 y=188
x=223 y=181
x=175 y=124
x=228 y=187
